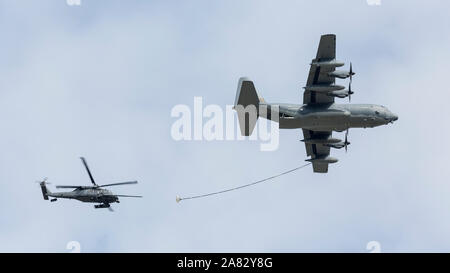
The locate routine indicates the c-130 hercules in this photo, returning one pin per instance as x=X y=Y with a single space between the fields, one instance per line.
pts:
x=319 y=115
x=90 y=194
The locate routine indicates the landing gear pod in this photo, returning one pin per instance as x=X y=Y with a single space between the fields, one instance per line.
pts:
x=101 y=206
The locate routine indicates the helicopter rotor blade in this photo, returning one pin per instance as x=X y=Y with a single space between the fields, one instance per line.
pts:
x=88 y=171
x=123 y=195
x=117 y=184
x=68 y=187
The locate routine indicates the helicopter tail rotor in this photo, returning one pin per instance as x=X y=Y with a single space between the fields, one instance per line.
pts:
x=45 y=191
x=43 y=181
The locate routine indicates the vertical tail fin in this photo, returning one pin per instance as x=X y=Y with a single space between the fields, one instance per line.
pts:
x=45 y=191
x=246 y=105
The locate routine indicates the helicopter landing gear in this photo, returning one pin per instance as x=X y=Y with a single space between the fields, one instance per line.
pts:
x=102 y=206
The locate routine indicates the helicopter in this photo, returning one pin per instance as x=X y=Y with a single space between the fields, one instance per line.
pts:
x=90 y=194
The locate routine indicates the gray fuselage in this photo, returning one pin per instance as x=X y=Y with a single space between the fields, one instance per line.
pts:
x=329 y=117
x=88 y=195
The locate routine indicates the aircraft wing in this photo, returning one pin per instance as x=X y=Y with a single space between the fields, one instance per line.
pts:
x=317 y=150
x=319 y=74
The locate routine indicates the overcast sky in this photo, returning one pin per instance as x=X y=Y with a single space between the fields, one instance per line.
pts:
x=99 y=80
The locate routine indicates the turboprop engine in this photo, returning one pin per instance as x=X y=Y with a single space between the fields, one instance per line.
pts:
x=321 y=140
x=323 y=159
x=325 y=88
x=328 y=63
x=340 y=94
x=342 y=74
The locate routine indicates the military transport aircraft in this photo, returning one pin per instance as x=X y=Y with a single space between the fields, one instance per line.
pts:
x=319 y=115
x=90 y=194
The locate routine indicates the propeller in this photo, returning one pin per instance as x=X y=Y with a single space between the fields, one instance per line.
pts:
x=350 y=92
x=351 y=72
x=346 y=143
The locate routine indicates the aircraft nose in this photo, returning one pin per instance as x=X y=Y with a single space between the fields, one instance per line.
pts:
x=392 y=117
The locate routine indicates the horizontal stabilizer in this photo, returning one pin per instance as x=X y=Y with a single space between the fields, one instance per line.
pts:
x=246 y=105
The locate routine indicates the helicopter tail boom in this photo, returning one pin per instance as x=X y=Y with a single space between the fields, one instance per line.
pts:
x=45 y=191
